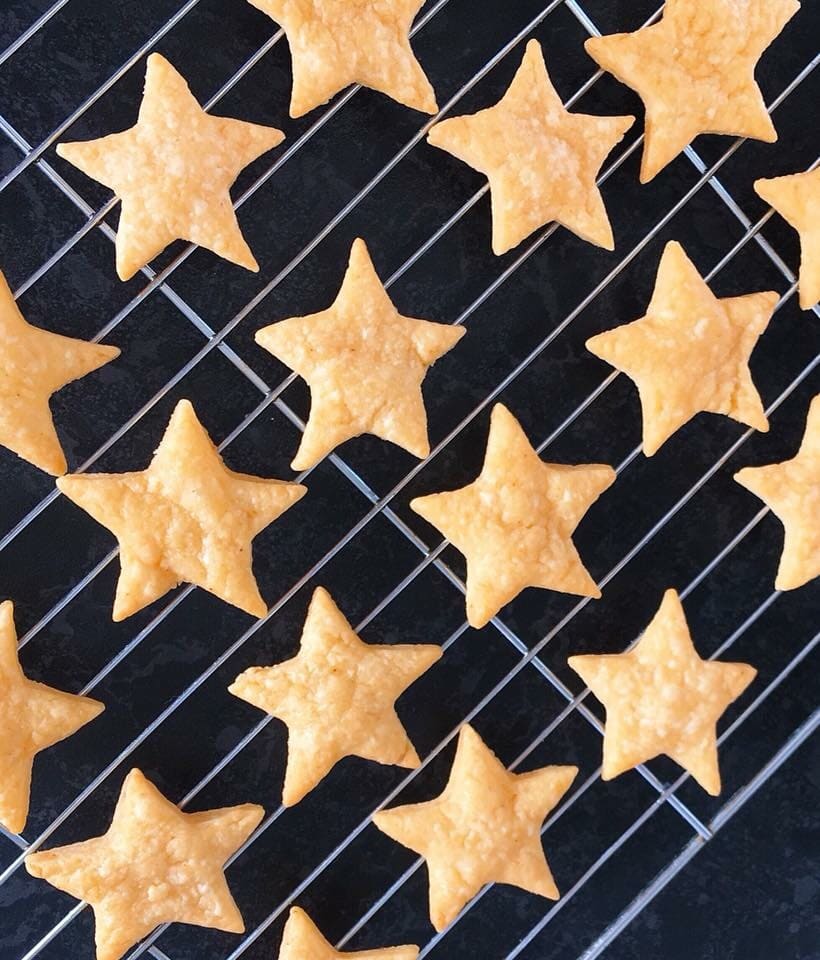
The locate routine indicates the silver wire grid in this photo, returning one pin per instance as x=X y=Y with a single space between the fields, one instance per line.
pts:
x=666 y=796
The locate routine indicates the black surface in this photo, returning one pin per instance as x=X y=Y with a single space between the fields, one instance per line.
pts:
x=47 y=79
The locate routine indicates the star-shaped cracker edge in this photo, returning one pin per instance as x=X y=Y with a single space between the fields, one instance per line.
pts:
x=541 y=160
x=690 y=352
x=34 y=364
x=694 y=71
x=514 y=523
x=172 y=172
x=301 y=940
x=792 y=491
x=186 y=518
x=336 y=697
x=332 y=47
x=364 y=363
x=661 y=698
x=484 y=828
x=154 y=865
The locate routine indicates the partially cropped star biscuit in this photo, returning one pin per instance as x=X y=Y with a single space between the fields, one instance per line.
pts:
x=34 y=364
x=694 y=71
x=514 y=524
x=690 y=353
x=484 y=828
x=541 y=160
x=337 y=697
x=154 y=865
x=661 y=698
x=302 y=940
x=173 y=172
x=32 y=717
x=792 y=490
x=797 y=199
x=334 y=43
x=187 y=518
x=364 y=363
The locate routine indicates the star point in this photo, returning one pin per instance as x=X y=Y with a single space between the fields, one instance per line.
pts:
x=301 y=940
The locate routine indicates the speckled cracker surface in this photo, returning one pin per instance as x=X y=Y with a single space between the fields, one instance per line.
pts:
x=515 y=522
x=660 y=697
x=797 y=199
x=154 y=865
x=484 y=828
x=694 y=71
x=364 y=363
x=301 y=940
x=187 y=518
x=34 y=364
x=792 y=490
x=541 y=160
x=173 y=171
x=32 y=717
x=334 y=43
x=690 y=353
x=337 y=697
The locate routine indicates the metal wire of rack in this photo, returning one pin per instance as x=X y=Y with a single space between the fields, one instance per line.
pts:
x=529 y=655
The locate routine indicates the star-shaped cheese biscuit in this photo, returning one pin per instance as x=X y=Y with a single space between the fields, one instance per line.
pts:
x=797 y=199
x=187 y=518
x=172 y=171
x=154 y=865
x=792 y=490
x=694 y=71
x=484 y=828
x=337 y=697
x=301 y=940
x=364 y=363
x=515 y=522
x=334 y=43
x=541 y=160
x=32 y=717
x=34 y=364
x=690 y=353
x=660 y=697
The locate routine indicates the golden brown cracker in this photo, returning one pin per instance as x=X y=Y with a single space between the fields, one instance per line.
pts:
x=301 y=940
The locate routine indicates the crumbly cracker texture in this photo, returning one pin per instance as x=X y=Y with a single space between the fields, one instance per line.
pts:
x=364 y=363
x=484 y=828
x=797 y=199
x=173 y=171
x=334 y=43
x=154 y=865
x=187 y=518
x=792 y=490
x=541 y=160
x=34 y=364
x=690 y=353
x=301 y=940
x=336 y=697
x=694 y=71
x=660 y=697
x=514 y=524
x=32 y=717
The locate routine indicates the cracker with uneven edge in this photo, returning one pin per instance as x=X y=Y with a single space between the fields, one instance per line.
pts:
x=187 y=518
x=34 y=364
x=301 y=940
x=173 y=171
x=690 y=353
x=661 y=698
x=155 y=865
x=334 y=43
x=797 y=199
x=484 y=828
x=336 y=697
x=514 y=524
x=32 y=718
x=364 y=363
x=694 y=71
x=541 y=160
x=792 y=491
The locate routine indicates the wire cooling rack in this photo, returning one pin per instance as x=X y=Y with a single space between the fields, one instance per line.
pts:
x=359 y=166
